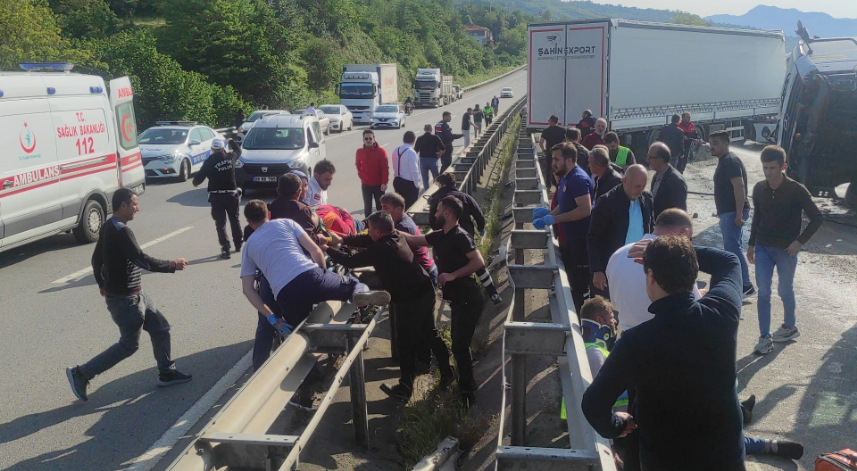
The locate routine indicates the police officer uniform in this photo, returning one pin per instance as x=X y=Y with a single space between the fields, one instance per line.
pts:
x=444 y=131
x=223 y=192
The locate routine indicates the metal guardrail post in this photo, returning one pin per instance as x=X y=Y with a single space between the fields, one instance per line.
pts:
x=357 y=385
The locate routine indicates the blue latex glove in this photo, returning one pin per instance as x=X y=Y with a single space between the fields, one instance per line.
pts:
x=540 y=212
x=284 y=329
x=545 y=221
x=482 y=233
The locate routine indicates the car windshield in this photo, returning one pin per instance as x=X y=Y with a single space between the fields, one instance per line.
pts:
x=160 y=136
x=507 y=89
x=257 y=115
x=330 y=109
x=428 y=84
x=356 y=90
x=387 y=109
x=274 y=138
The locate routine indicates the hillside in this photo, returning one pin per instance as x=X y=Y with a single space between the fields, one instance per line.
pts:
x=570 y=10
x=774 y=18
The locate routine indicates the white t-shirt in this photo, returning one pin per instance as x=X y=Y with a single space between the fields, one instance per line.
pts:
x=310 y=111
x=314 y=194
x=410 y=164
x=274 y=248
x=627 y=281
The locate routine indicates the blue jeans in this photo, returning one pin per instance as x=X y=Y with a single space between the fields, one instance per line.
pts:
x=428 y=165
x=733 y=241
x=768 y=258
x=754 y=446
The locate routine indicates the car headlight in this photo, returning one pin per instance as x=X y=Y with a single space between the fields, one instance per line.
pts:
x=239 y=163
x=169 y=158
x=297 y=163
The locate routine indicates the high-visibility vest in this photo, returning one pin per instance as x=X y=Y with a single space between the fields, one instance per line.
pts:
x=623 y=399
x=622 y=156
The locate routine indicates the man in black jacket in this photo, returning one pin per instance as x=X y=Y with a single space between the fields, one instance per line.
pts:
x=223 y=193
x=603 y=171
x=430 y=148
x=681 y=364
x=673 y=137
x=444 y=131
x=573 y=136
x=622 y=216
x=669 y=189
x=412 y=294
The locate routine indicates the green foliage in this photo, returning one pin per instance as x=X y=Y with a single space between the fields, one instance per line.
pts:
x=85 y=18
x=683 y=18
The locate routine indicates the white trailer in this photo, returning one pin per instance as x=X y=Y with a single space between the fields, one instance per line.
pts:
x=638 y=74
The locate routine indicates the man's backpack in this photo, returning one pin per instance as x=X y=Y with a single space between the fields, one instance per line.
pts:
x=842 y=460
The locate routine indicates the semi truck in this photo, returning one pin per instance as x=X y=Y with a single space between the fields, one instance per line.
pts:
x=818 y=118
x=637 y=75
x=364 y=86
x=431 y=88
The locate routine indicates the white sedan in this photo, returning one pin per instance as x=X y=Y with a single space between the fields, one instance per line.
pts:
x=506 y=92
x=388 y=116
x=323 y=119
x=340 y=118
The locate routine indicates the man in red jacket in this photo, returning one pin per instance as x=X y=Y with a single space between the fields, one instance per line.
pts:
x=374 y=171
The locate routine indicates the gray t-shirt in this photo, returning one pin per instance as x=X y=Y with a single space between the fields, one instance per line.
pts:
x=274 y=249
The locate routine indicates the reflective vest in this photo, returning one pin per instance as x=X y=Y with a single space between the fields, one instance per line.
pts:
x=622 y=156
x=623 y=399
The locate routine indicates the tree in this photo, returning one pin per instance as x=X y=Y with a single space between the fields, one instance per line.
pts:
x=683 y=18
x=85 y=18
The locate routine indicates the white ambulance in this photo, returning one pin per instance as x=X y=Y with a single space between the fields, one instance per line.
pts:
x=65 y=147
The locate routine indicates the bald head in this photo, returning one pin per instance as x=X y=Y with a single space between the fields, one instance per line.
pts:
x=674 y=221
x=635 y=181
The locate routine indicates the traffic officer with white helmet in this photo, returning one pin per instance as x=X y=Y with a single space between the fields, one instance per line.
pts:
x=223 y=192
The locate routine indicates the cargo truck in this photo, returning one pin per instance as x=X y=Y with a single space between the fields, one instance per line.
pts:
x=432 y=89
x=364 y=86
x=638 y=74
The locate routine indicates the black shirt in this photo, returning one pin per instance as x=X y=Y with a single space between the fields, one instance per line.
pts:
x=777 y=214
x=477 y=116
x=673 y=137
x=118 y=261
x=220 y=170
x=553 y=135
x=728 y=168
x=465 y=122
x=283 y=208
x=471 y=213
x=428 y=145
x=586 y=126
x=450 y=251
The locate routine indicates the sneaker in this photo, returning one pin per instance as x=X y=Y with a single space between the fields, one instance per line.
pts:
x=371 y=298
x=749 y=290
x=303 y=403
x=747 y=409
x=397 y=391
x=765 y=345
x=173 y=378
x=224 y=253
x=787 y=449
x=496 y=298
x=78 y=382
x=784 y=334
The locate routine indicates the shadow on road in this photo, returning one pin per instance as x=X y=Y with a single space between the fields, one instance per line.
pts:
x=39 y=247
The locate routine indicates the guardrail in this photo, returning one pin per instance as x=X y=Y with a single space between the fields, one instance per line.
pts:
x=240 y=436
x=494 y=79
x=559 y=338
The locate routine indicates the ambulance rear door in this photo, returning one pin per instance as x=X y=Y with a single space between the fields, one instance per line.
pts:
x=131 y=173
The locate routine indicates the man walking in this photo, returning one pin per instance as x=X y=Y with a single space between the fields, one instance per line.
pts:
x=373 y=170
x=619 y=155
x=223 y=193
x=430 y=148
x=622 y=216
x=310 y=111
x=477 y=120
x=495 y=104
x=444 y=131
x=406 y=169
x=775 y=240
x=551 y=136
x=668 y=186
x=690 y=135
x=467 y=125
x=412 y=294
x=488 y=110
x=322 y=178
x=673 y=136
x=117 y=264
x=730 y=200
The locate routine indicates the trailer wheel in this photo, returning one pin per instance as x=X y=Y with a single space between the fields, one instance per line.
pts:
x=851 y=194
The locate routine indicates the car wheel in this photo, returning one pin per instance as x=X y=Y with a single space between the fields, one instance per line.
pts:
x=851 y=194
x=184 y=171
x=91 y=221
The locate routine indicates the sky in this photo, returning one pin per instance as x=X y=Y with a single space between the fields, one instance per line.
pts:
x=834 y=8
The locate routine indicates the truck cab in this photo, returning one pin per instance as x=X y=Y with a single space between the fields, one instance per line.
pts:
x=358 y=91
x=818 y=117
x=427 y=88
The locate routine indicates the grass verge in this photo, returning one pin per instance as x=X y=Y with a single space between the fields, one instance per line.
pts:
x=481 y=77
x=509 y=146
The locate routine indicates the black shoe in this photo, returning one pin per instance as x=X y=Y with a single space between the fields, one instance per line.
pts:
x=224 y=253
x=787 y=449
x=747 y=409
x=496 y=299
x=173 y=378
x=238 y=246
x=398 y=391
x=423 y=367
x=445 y=381
x=78 y=382
x=749 y=290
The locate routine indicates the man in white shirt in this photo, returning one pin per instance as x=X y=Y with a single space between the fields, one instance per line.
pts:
x=406 y=168
x=628 y=278
x=310 y=111
x=322 y=177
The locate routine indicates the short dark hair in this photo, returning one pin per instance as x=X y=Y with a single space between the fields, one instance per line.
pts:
x=600 y=156
x=324 y=166
x=428 y=128
x=611 y=137
x=394 y=199
x=453 y=204
x=722 y=136
x=569 y=151
x=595 y=306
x=445 y=179
x=675 y=119
x=410 y=137
x=774 y=154
x=572 y=134
x=382 y=221
x=312 y=103
x=672 y=260
x=447 y=113
x=256 y=211
x=368 y=131
x=674 y=218
x=662 y=151
x=122 y=195
x=288 y=185
x=553 y=119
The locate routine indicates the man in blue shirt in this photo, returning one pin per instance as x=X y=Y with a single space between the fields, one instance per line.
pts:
x=574 y=194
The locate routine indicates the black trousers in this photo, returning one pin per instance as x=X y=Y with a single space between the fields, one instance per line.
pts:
x=547 y=172
x=415 y=327
x=371 y=193
x=576 y=261
x=223 y=206
x=446 y=159
x=466 y=306
x=408 y=189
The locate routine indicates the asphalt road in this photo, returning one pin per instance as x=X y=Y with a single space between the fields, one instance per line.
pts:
x=53 y=317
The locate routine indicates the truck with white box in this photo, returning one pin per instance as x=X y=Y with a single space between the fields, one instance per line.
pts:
x=365 y=86
x=637 y=75
x=431 y=88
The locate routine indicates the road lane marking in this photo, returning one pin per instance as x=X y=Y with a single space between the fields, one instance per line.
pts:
x=168 y=440
x=85 y=271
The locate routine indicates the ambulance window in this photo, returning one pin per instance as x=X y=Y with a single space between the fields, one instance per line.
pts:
x=126 y=122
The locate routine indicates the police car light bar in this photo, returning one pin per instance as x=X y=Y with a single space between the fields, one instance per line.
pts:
x=47 y=66
x=175 y=123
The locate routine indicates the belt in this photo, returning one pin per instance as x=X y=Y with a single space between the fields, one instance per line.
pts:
x=225 y=191
x=114 y=295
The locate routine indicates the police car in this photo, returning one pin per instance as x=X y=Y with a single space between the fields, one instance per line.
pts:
x=175 y=149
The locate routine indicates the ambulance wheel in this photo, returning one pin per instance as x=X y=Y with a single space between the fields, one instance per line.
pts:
x=184 y=171
x=851 y=194
x=90 y=224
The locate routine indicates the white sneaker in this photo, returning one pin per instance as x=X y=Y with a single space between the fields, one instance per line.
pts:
x=765 y=345
x=784 y=334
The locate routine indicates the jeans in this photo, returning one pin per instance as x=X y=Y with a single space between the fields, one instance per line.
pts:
x=478 y=128
x=428 y=165
x=371 y=193
x=133 y=314
x=223 y=206
x=409 y=190
x=466 y=306
x=754 y=446
x=311 y=287
x=768 y=258
x=466 y=133
x=733 y=241
x=415 y=328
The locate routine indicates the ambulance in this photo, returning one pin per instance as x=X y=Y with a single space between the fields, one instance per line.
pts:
x=67 y=143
